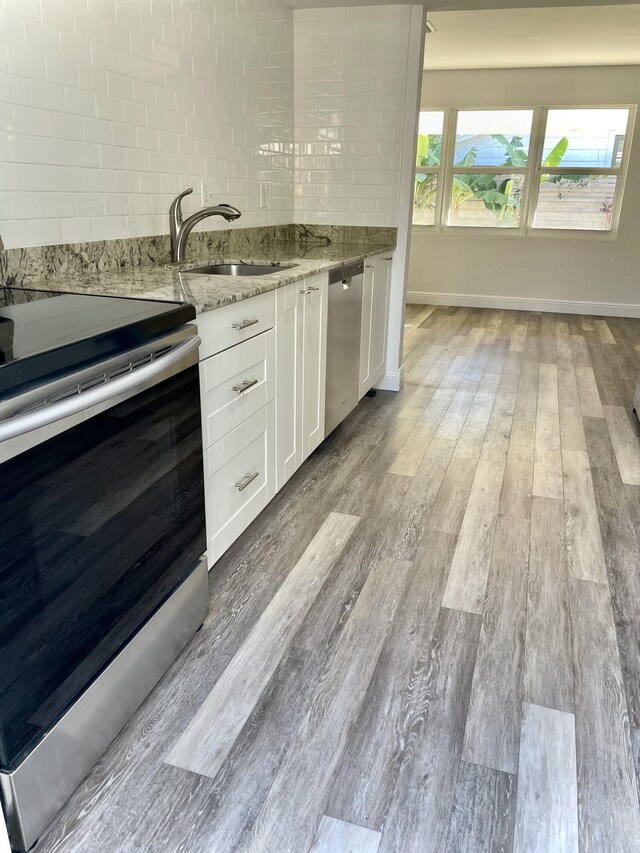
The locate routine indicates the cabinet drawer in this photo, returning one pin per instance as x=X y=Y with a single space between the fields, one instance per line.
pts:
x=235 y=323
x=235 y=384
x=239 y=479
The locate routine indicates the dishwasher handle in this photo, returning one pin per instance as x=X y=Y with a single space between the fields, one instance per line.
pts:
x=346 y=271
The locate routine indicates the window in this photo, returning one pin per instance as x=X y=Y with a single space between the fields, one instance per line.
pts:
x=498 y=141
x=521 y=170
x=586 y=147
x=427 y=168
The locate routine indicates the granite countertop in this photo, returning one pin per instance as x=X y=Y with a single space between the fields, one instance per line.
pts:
x=174 y=283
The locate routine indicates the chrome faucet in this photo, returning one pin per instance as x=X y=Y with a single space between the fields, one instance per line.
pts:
x=179 y=230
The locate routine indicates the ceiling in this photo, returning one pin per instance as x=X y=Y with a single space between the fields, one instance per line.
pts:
x=459 y=5
x=540 y=37
x=523 y=33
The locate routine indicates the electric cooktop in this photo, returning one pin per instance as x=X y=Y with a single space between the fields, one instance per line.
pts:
x=43 y=333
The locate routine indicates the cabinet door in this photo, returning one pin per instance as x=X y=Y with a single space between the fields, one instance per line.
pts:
x=379 y=314
x=239 y=475
x=235 y=384
x=366 y=328
x=289 y=339
x=314 y=295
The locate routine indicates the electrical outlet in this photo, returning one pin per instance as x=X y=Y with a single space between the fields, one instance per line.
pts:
x=208 y=192
x=264 y=194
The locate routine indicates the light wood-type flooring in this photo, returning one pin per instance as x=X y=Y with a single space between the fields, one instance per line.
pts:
x=430 y=640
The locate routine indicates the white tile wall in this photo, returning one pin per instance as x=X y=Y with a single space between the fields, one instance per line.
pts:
x=350 y=79
x=108 y=108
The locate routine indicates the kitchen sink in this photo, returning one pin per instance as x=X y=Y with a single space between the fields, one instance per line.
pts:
x=240 y=269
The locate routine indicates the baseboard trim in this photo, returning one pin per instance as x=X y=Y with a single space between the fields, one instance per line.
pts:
x=515 y=303
x=391 y=381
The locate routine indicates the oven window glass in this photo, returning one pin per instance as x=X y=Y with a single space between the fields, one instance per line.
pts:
x=98 y=526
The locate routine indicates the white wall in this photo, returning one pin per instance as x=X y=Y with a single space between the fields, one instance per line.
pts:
x=469 y=269
x=350 y=82
x=108 y=108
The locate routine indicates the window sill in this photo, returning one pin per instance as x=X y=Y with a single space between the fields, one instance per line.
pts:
x=536 y=233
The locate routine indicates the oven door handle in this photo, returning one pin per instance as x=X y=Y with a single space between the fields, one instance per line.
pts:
x=138 y=378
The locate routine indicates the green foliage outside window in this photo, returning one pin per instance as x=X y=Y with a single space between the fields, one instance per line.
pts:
x=499 y=194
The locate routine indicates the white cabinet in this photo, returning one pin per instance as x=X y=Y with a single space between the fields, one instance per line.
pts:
x=289 y=360
x=379 y=319
x=375 y=302
x=314 y=360
x=235 y=384
x=239 y=479
x=263 y=384
x=232 y=324
x=366 y=328
x=237 y=389
x=301 y=355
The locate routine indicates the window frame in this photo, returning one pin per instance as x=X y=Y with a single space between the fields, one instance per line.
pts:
x=532 y=173
x=434 y=170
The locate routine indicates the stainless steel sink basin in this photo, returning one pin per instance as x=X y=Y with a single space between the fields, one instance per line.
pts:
x=240 y=269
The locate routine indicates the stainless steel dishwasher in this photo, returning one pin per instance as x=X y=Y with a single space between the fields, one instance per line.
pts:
x=343 y=343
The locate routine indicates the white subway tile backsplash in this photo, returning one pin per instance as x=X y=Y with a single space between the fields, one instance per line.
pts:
x=42 y=232
x=46 y=95
x=27 y=9
x=23 y=62
x=111 y=107
x=58 y=204
x=38 y=37
x=75 y=47
x=76 y=230
x=23 y=205
x=14 y=232
x=57 y=14
x=88 y=26
x=61 y=70
x=350 y=71
x=79 y=103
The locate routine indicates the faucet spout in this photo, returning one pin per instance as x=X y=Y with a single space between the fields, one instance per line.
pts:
x=179 y=230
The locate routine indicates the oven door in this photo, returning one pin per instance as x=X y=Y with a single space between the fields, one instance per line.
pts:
x=101 y=519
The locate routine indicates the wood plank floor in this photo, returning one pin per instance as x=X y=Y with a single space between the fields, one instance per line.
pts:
x=430 y=640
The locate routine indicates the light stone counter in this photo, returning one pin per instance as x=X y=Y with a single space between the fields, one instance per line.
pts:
x=206 y=292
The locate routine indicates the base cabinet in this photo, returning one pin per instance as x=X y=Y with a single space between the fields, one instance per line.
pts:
x=239 y=479
x=375 y=312
x=289 y=360
x=366 y=328
x=235 y=384
x=380 y=317
x=301 y=334
x=314 y=362
x=263 y=387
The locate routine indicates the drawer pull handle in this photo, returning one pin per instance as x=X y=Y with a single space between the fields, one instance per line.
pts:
x=309 y=290
x=243 y=325
x=242 y=484
x=388 y=259
x=245 y=385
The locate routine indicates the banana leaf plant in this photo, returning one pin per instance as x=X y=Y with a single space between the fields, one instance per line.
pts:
x=565 y=183
x=499 y=194
x=428 y=155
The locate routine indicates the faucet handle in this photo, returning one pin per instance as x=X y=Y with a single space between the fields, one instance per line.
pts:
x=175 y=211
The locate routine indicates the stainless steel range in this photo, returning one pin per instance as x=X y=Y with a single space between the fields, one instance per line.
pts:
x=102 y=579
